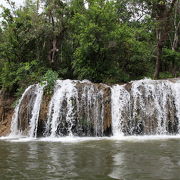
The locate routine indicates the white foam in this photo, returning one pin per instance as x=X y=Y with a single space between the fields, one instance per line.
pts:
x=71 y=139
x=145 y=138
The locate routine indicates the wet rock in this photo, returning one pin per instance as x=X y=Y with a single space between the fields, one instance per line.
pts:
x=43 y=115
x=6 y=112
x=25 y=110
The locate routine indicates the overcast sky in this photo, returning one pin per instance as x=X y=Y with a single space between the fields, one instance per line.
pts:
x=18 y=2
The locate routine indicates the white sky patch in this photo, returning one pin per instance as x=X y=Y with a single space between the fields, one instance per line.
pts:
x=4 y=3
x=17 y=3
x=86 y=4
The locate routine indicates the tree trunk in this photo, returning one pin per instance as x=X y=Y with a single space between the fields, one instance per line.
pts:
x=158 y=62
x=37 y=6
x=176 y=38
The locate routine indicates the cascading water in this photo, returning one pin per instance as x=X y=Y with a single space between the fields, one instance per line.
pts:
x=61 y=108
x=76 y=108
x=120 y=101
x=34 y=95
x=146 y=107
x=35 y=112
x=14 y=123
x=82 y=108
x=176 y=91
x=91 y=105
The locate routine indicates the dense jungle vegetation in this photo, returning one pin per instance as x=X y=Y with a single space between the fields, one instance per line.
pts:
x=103 y=41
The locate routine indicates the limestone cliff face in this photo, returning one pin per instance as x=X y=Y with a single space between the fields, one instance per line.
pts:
x=83 y=108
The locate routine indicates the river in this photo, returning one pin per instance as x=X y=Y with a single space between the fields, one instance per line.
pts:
x=126 y=158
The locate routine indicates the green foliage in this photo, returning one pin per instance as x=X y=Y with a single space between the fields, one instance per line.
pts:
x=171 y=63
x=171 y=56
x=50 y=78
x=108 y=50
x=14 y=75
x=103 y=41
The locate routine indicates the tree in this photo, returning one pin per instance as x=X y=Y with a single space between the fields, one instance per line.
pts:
x=99 y=40
x=176 y=33
x=107 y=49
x=162 y=12
x=18 y=50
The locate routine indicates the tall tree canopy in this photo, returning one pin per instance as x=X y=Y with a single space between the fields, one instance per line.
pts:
x=100 y=40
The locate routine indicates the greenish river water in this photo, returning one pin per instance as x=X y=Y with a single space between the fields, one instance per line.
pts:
x=90 y=159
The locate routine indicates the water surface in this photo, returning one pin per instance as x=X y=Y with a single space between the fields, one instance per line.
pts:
x=91 y=159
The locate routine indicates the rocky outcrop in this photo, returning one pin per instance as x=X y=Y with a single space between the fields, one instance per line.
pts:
x=25 y=110
x=6 y=112
x=41 y=130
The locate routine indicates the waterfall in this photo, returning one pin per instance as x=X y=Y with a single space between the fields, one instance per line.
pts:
x=177 y=101
x=14 y=123
x=120 y=101
x=35 y=93
x=35 y=112
x=83 y=108
x=64 y=94
x=91 y=107
x=76 y=108
x=146 y=107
